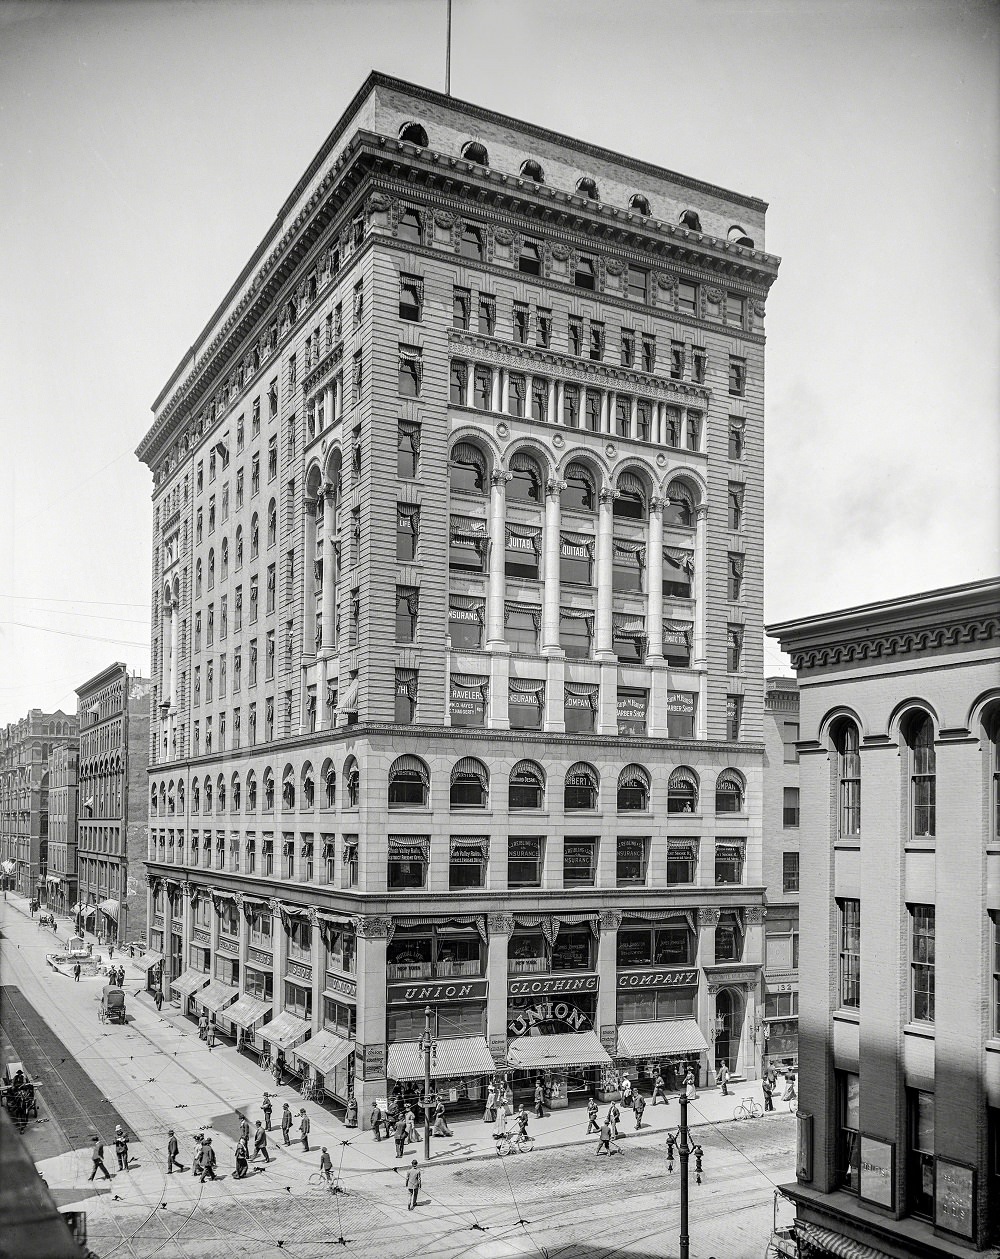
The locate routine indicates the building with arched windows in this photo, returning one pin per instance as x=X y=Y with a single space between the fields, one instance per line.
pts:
x=899 y=1003
x=457 y=604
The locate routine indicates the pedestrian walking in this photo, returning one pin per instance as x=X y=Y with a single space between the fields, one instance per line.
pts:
x=638 y=1106
x=76 y=972
x=521 y=1124
x=121 y=1148
x=789 y=1094
x=413 y=1182
x=592 y=1124
x=158 y=998
x=111 y=950
x=351 y=1116
x=260 y=1142
x=399 y=1134
x=286 y=1124
x=375 y=1121
x=173 y=1154
x=613 y=1120
x=304 y=1129
x=723 y=1078
x=244 y=1126
x=500 y=1130
x=490 y=1113
x=131 y=952
x=207 y=1160
x=210 y=1033
x=440 y=1128
x=410 y=1119
x=508 y=1099
x=97 y=1159
x=325 y=1165
x=539 y=1100
x=768 y=1088
x=266 y=1107
x=242 y=1160
x=660 y=1090
x=626 y=1091
x=607 y=1139
x=203 y=1024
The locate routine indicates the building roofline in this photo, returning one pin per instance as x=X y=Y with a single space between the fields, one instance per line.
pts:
x=100 y=679
x=377 y=78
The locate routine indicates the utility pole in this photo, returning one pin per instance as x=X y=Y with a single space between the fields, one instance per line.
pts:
x=428 y=1046
x=685 y=1148
x=123 y=868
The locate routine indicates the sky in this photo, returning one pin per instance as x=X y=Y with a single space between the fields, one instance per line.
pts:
x=145 y=148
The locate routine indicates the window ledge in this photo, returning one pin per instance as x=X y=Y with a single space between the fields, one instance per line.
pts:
x=924 y=1031
x=845 y=1015
x=993 y=1045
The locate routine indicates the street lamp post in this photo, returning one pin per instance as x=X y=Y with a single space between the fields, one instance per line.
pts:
x=429 y=1046
x=685 y=1148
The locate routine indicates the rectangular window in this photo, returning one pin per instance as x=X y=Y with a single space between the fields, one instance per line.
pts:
x=411 y=298
x=628 y=347
x=575 y=635
x=539 y=399
x=734 y=583
x=524 y=861
x=681 y=709
x=687 y=297
x=576 y=552
x=676 y=360
x=736 y=439
x=736 y=495
x=525 y=704
x=465 y=623
x=648 y=353
x=543 y=328
x=848 y=1144
x=483 y=388
x=633 y=703
x=521 y=553
x=734 y=309
x=596 y=341
x=850 y=953
x=920 y=1153
x=571 y=406
x=630 y=862
x=789 y=872
x=677 y=573
x=922 y=963
x=579 y=862
x=520 y=326
x=405 y=711
x=699 y=364
x=521 y=625
x=487 y=321
x=682 y=861
x=575 y=335
x=638 y=284
x=467 y=699
x=459 y=383
x=407 y=450
x=995 y=956
x=461 y=306
x=623 y=416
x=593 y=417
x=790 y=807
x=643 y=420
x=406 y=614
x=580 y=707
x=466 y=869
x=407 y=866
x=407 y=532
x=734 y=648
x=729 y=863
x=789 y=741
x=410 y=371
x=734 y=717
x=628 y=562
x=628 y=638
x=737 y=376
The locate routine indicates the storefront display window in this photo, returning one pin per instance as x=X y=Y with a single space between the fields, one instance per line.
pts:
x=438 y=952
x=339 y=1018
x=298 y=1000
x=258 y=984
x=653 y=1006
x=662 y=946
x=526 y=954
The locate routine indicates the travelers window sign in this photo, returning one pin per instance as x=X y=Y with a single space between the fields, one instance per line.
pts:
x=468 y=699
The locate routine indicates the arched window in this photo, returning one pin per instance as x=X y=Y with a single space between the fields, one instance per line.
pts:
x=409 y=783
x=580 y=493
x=476 y=152
x=251 y=791
x=631 y=501
x=180 y=796
x=238 y=557
x=208 y=795
x=682 y=791
x=580 y=787
x=272 y=523
x=197 y=578
x=352 y=777
x=467 y=469
x=846 y=740
x=729 y=792
x=308 y=786
x=639 y=204
x=588 y=188
x=633 y=790
x=680 y=512
x=472 y=243
x=470 y=782
x=993 y=735
x=689 y=218
x=738 y=236
x=211 y=567
x=918 y=731
x=526 y=787
x=408 y=227
x=288 y=788
x=221 y=794
x=268 y=790
x=153 y=800
x=254 y=536
x=196 y=796
x=329 y=785
x=525 y=485
x=532 y=170
x=224 y=558
x=413 y=133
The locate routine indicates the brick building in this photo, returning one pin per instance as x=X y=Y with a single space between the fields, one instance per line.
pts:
x=114 y=755
x=60 y=870
x=899 y=1010
x=781 y=872
x=25 y=748
x=457 y=616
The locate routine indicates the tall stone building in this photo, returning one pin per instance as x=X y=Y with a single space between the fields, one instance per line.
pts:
x=899 y=1010
x=114 y=755
x=60 y=870
x=457 y=587
x=25 y=748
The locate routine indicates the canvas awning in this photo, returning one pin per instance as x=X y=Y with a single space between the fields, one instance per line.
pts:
x=651 y=1040
x=150 y=959
x=53 y=878
x=823 y=1242
x=324 y=1051
x=468 y=1055
x=190 y=982
x=110 y=908
x=217 y=996
x=566 y=1049
x=89 y=911
x=286 y=1030
x=247 y=1011
x=9 y=867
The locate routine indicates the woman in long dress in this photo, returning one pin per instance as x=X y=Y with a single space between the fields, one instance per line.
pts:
x=440 y=1128
x=491 y=1104
x=689 y=1086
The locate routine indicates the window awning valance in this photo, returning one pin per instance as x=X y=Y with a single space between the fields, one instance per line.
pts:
x=576 y=546
x=470 y=456
x=633 y=776
x=469 y=849
x=521 y=461
x=682 y=778
x=523 y=609
x=409 y=847
x=466 y=608
x=409 y=764
x=473 y=682
x=348 y=702
x=677 y=632
x=470 y=768
x=662 y=917
x=527 y=686
x=729 y=852
x=680 y=850
x=581 y=695
x=523 y=538
x=625 y=625
x=626 y=549
x=629 y=483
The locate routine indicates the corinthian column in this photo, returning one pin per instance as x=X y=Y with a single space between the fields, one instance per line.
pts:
x=605 y=537
x=654 y=567
x=329 y=568
x=550 y=600
x=498 y=546
x=701 y=514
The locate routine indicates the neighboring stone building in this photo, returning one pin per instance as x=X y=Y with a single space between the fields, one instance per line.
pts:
x=781 y=872
x=899 y=1010
x=25 y=748
x=114 y=754
x=60 y=872
x=457 y=607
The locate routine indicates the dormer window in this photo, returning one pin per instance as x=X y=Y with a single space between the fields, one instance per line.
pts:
x=532 y=170
x=639 y=204
x=586 y=187
x=476 y=152
x=413 y=133
x=690 y=219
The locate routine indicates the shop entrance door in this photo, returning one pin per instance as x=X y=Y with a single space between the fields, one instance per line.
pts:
x=728 y=1006
x=176 y=955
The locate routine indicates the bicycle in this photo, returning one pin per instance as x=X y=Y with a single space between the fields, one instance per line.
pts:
x=748 y=1109
x=265 y=1062
x=310 y=1091
x=333 y=1184
x=514 y=1143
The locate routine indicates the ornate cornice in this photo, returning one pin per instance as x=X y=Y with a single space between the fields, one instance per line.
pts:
x=870 y=647
x=373 y=927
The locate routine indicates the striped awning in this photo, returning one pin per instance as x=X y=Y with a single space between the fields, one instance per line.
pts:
x=53 y=878
x=247 y=1011
x=650 y=1040
x=567 y=1049
x=217 y=996
x=467 y=1056
x=324 y=1051
x=9 y=867
x=150 y=959
x=286 y=1030
x=110 y=908
x=819 y=1243
x=189 y=982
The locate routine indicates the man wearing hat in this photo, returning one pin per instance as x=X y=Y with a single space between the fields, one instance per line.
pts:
x=286 y=1124
x=97 y=1158
x=304 y=1129
x=173 y=1153
x=207 y=1160
x=121 y=1148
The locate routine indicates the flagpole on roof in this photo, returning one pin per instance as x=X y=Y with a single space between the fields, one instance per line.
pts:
x=447 y=58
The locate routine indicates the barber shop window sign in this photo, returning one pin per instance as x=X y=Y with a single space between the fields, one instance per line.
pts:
x=546 y=1018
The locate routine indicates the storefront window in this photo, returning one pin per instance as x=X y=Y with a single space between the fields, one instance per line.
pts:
x=526 y=954
x=573 y=949
x=920 y=1178
x=652 y=1006
x=298 y=1000
x=228 y=970
x=258 y=984
x=339 y=1018
x=406 y=1023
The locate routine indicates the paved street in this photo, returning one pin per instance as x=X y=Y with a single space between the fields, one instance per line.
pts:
x=558 y=1200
